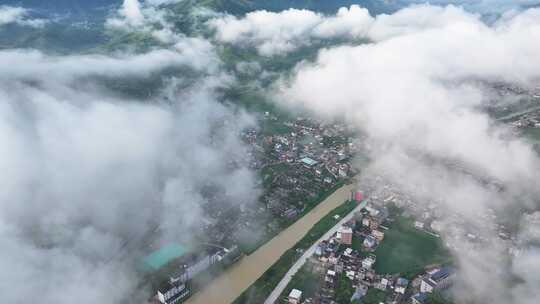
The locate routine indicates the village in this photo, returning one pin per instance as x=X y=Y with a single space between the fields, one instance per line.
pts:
x=390 y=252
x=342 y=270
x=298 y=165
x=297 y=169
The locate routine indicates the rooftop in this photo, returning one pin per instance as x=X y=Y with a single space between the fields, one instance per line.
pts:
x=308 y=161
x=345 y=229
x=441 y=274
x=164 y=255
x=402 y=282
x=420 y=297
x=295 y=294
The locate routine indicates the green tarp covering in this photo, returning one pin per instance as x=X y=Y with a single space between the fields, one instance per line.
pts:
x=164 y=255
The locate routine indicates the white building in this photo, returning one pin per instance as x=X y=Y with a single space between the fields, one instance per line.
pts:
x=295 y=296
x=373 y=211
x=437 y=226
x=172 y=292
x=308 y=162
x=368 y=262
x=382 y=285
x=369 y=242
x=401 y=285
x=440 y=279
x=330 y=276
x=365 y=222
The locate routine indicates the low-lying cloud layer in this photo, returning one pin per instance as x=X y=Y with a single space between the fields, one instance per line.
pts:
x=277 y=33
x=86 y=174
x=274 y=33
x=414 y=82
x=412 y=89
x=152 y=18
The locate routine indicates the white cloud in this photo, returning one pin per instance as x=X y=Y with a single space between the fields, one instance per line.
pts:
x=348 y=22
x=410 y=90
x=86 y=171
x=417 y=18
x=131 y=10
x=147 y=18
x=194 y=53
x=271 y=32
x=199 y=53
x=9 y=14
x=133 y=15
x=419 y=66
x=277 y=33
x=18 y=15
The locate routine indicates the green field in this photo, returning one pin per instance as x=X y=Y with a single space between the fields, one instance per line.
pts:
x=407 y=250
x=306 y=280
x=532 y=134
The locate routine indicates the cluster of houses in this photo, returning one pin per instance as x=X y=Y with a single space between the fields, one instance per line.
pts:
x=300 y=164
x=529 y=120
x=344 y=255
x=335 y=257
x=297 y=167
x=371 y=228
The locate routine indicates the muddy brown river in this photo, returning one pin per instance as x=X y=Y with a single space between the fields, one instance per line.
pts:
x=231 y=283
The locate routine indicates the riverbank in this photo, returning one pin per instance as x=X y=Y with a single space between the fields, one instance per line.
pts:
x=252 y=247
x=239 y=277
x=328 y=226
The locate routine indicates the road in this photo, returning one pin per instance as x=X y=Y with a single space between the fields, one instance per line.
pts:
x=517 y=114
x=230 y=284
x=273 y=297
